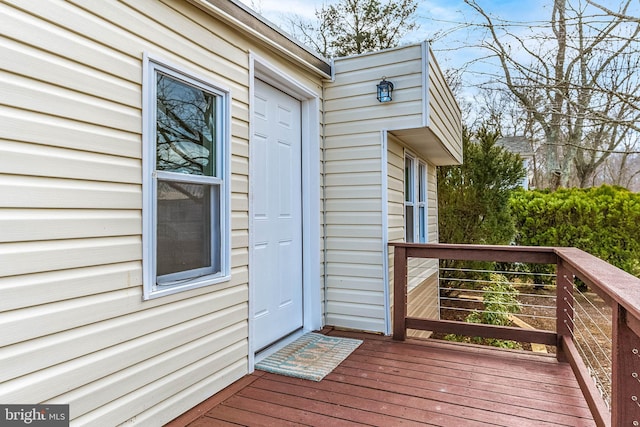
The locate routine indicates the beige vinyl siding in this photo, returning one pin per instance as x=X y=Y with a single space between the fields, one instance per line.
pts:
x=351 y=104
x=354 y=126
x=422 y=274
x=432 y=203
x=355 y=278
x=395 y=192
x=354 y=281
x=353 y=253
x=424 y=113
x=75 y=328
x=444 y=113
x=418 y=270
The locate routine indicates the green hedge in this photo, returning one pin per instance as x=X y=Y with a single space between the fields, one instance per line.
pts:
x=604 y=221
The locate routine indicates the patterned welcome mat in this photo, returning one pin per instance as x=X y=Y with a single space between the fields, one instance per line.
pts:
x=311 y=357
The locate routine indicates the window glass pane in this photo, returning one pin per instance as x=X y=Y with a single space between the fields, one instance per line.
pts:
x=408 y=218
x=422 y=181
x=188 y=228
x=185 y=128
x=408 y=179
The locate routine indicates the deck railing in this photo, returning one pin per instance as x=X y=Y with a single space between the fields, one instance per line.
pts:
x=617 y=288
x=505 y=293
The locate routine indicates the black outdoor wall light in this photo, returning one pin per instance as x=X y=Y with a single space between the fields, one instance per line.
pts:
x=385 y=89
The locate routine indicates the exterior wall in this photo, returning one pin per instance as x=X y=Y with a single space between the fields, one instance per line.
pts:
x=423 y=298
x=363 y=208
x=395 y=191
x=355 y=227
x=354 y=119
x=444 y=113
x=75 y=329
x=351 y=104
x=354 y=273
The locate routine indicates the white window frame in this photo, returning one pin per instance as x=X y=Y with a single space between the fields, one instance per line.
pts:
x=421 y=191
x=415 y=199
x=222 y=179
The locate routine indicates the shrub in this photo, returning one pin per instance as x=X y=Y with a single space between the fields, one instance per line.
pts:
x=473 y=199
x=604 y=221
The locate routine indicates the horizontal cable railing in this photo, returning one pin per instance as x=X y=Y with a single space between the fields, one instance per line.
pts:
x=523 y=286
x=573 y=303
x=506 y=296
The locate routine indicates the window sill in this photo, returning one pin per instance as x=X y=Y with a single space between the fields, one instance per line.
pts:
x=200 y=282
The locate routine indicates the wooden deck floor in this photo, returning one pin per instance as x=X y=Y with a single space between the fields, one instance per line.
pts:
x=415 y=383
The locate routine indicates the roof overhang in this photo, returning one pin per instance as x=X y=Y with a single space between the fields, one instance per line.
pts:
x=242 y=17
x=424 y=143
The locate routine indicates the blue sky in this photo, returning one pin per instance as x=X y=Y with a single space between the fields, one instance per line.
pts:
x=432 y=15
x=439 y=9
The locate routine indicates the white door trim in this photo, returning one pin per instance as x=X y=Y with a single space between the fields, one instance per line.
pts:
x=384 y=208
x=310 y=116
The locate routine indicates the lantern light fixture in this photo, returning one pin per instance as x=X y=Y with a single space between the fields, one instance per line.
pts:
x=385 y=89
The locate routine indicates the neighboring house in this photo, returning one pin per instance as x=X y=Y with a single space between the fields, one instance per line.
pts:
x=521 y=146
x=182 y=186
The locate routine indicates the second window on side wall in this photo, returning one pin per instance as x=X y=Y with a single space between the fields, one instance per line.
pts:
x=415 y=200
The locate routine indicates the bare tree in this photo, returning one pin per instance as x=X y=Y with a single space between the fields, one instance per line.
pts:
x=577 y=78
x=621 y=169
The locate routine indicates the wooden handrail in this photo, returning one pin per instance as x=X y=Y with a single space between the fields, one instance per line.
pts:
x=620 y=289
x=608 y=281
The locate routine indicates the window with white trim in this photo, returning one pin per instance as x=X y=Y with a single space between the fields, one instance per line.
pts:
x=415 y=200
x=185 y=161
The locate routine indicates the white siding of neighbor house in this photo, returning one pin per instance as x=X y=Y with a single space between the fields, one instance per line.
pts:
x=75 y=329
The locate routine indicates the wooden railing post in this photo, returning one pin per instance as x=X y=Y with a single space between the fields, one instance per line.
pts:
x=399 y=293
x=564 y=306
x=625 y=375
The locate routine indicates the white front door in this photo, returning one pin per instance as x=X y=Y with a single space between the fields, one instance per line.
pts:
x=276 y=186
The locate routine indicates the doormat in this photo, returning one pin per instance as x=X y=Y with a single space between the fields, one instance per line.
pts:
x=311 y=357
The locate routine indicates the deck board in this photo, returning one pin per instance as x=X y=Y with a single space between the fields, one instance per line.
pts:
x=412 y=383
